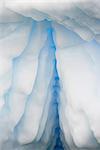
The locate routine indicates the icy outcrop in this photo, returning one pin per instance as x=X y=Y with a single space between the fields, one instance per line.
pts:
x=82 y=17
x=27 y=73
x=49 y=75
x=80 y=103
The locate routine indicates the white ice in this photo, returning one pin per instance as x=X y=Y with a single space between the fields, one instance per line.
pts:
x=34 y=35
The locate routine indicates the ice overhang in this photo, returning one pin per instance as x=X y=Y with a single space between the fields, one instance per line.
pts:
x=82 y=17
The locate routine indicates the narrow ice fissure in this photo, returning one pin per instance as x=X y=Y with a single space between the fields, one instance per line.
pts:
x=56 y=98
x=59 y=144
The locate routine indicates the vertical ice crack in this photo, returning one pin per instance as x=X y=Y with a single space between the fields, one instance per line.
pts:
x=58 y=144
x=55 y=98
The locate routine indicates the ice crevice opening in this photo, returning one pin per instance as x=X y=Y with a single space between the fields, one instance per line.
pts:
x=49 y=96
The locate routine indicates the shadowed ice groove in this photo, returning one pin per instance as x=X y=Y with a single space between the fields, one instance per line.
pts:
x=52 y=129
x=18 y=94
x=25 y=71
x=58 y=143
x=29 y=126
x=47 y=140
x=34 y=118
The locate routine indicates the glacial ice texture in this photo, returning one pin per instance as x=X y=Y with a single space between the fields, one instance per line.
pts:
x=49 y=75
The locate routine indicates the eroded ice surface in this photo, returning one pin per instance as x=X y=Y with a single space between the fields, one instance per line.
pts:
x=49 y=75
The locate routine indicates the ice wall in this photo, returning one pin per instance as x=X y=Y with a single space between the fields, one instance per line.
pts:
x=49 y=75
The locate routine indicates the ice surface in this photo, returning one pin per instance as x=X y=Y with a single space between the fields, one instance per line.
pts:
x=49 y=75
x=81 y=87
